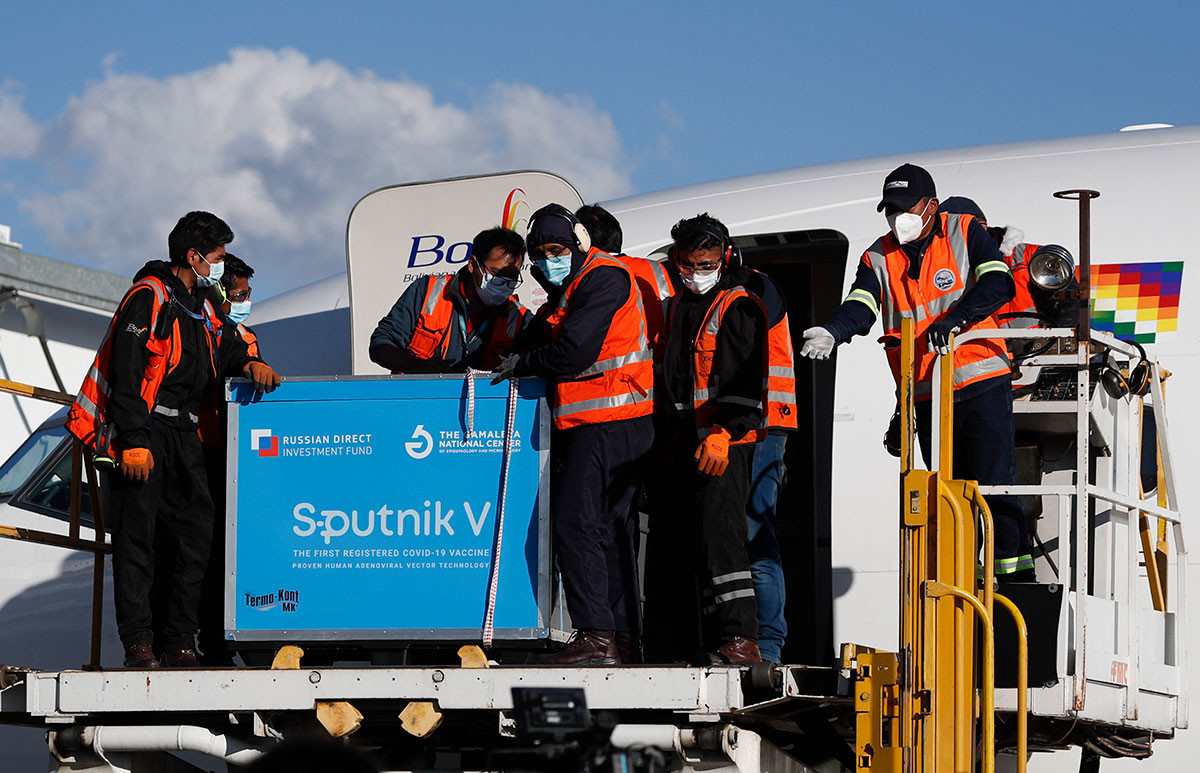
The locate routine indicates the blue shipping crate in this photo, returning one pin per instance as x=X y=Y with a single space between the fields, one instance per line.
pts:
x=359 y=509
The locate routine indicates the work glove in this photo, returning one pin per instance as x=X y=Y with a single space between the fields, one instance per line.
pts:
x=136 y=464
x=712 y=456
x=818 y=343
x=939 y=332
x=264 y=377
x=507 y=368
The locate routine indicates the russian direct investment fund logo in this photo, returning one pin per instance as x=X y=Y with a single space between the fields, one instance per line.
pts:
x=264 y=442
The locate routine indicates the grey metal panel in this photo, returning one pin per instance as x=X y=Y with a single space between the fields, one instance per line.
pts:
x=707 y=690
x=60 y=280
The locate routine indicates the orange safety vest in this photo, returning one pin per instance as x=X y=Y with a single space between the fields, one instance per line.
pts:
x=781 y=377
x=652 y=281
x=87 y=418
x=431 y=334
x=1022 y=302
x=212 y=409
x=620 y=384
x=250 y=338
x=704 y=377
x=945 y=275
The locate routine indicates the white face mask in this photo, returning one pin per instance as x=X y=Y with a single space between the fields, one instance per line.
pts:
x=215 y=272
x=701 y=282
x=906 y=226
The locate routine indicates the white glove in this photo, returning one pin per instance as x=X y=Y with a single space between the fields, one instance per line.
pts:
x=818 y=343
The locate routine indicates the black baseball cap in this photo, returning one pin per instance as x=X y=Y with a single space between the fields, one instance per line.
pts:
x=961 y=205
x=905 y=186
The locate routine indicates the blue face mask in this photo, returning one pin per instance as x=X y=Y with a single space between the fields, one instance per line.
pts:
x=238 y=312
x=555 y=268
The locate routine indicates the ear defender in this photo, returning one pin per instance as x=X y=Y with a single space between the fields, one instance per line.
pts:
x=1137 y=384
x=1139 y=375
x=1113 y=382
x=582 y=237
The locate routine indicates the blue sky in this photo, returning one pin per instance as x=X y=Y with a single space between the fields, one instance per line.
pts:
x=116 y=117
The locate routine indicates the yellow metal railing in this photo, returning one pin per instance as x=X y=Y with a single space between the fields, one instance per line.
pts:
x=939 y=696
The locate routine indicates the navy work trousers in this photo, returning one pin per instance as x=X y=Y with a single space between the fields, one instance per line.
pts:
x=984 y=452
x=699 y=587
x=170 y=515
x=595 y=470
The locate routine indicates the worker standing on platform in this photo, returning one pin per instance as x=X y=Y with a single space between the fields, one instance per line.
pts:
x=445 y=323
x=767 y=471
x=165 y=347
x=945 y=272
x=712 y=393
x=655 y=284
x=232 y=296
x=591 y=344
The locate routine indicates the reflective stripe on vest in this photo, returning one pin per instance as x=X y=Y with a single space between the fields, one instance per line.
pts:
x=431 y=332
x=781 y=377
x=705 y=379
x=620 y=384
x=250 y=338
x=655 y=289
x=945 y=275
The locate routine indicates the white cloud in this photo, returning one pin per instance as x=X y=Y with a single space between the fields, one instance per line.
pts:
x=282 y=146
x=18 y=132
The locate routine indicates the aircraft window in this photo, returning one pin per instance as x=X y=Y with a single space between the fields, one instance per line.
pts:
x=22 y=464
x=53 y=492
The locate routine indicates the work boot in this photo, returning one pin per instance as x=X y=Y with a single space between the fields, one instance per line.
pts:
x=586 y=648
x=185 y=658
x=140 y=656
x=736 y=649
x=629 y=647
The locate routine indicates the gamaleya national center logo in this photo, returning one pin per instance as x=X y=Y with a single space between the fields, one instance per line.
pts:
x=264 y=442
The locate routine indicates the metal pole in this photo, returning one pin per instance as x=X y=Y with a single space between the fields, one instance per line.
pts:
x=98 y=530
x=1082 y=426
x=1084 y=196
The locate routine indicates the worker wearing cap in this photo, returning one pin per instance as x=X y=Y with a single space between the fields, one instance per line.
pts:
x=946 y=273
x=165 y=349
x=712 y=395
x=591 y=343
x=445 y=323
x=656 y=283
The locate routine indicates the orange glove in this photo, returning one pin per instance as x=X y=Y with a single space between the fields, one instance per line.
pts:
x=713 y=454
x=264 y=377
x=136 y=464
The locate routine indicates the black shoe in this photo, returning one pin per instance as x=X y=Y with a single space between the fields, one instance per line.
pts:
x=629 y=647
x=586 y=648
x=183 y=658
x=140 y=656
x=734 y=650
